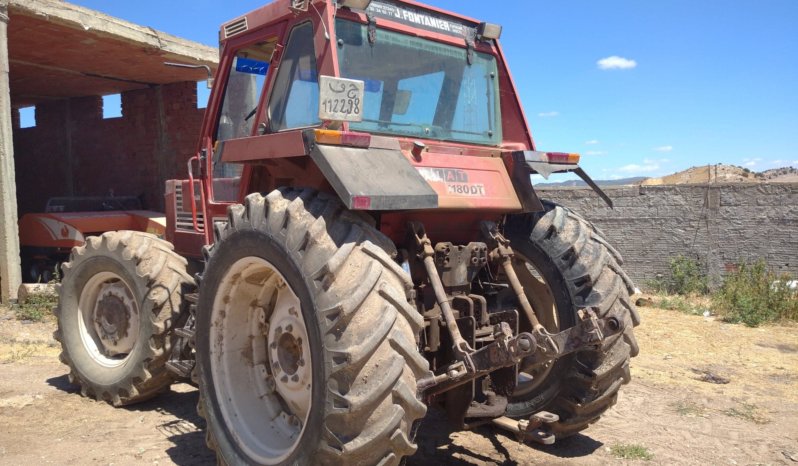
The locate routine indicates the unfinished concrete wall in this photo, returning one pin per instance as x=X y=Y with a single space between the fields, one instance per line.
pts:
x=717 y=224
x=73 y=151
x=9 y=242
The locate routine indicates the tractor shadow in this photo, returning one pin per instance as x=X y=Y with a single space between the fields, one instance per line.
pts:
x=187 y=431
x=440 y=444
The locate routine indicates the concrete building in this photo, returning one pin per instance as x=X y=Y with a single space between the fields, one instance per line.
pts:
x=63 y=59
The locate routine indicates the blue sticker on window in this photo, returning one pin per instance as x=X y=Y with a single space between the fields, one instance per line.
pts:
x=245 y=65
x=307 y=75
x=370 y=85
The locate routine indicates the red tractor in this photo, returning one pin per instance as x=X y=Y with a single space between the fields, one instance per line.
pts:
x=358 y=239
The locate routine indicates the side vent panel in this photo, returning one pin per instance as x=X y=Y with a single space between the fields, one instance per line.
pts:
x=184 y=219
x=236 y=27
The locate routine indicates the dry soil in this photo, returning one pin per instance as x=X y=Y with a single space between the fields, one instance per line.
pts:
x=670 y=410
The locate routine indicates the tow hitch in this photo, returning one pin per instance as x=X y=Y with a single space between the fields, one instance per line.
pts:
x=535 y=429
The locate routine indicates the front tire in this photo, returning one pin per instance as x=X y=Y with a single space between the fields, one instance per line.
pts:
x=299 y=259
x=565 y=265
x=119 y=298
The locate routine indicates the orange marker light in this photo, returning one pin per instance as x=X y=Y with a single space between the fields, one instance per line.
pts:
x=342 y=138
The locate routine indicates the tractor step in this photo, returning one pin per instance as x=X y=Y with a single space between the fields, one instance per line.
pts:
x=183 y=332
x=178 y=364
x=181 y=368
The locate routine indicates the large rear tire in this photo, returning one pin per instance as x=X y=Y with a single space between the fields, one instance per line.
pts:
x=565 y=265
x=119 y=298
x=306 y=343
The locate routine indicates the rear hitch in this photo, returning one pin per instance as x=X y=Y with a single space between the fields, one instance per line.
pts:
x=536 y=429
x=506 y=349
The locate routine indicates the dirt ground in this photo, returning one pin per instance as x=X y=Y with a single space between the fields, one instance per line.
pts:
x=668 y=409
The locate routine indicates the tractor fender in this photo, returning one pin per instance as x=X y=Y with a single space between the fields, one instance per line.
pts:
x=374 y=178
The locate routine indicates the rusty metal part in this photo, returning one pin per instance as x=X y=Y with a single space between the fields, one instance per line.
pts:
x=494 y=406
x=589 y=331
x=503 y=253
x=461 y=347
x=481 y=314
x=506 y=350
x=459 y=265
x=536 y=429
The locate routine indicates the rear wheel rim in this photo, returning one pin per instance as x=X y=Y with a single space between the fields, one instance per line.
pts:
x=260 y=360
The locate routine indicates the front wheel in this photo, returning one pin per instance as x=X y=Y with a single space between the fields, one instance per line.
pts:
x=565 y=265
x=306 y=344
x=118 y=301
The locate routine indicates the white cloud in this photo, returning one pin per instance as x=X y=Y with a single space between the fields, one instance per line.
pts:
x=616 y=63
x=592 y=142
x=548 y=114
x=663 y=148
x=595 y=152
x=658 y=161
x=636 y=169
x=751 y=162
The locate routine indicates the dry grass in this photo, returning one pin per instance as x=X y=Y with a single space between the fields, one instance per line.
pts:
x=631 y=451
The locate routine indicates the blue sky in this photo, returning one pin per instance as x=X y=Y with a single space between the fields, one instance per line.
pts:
x=694 y=82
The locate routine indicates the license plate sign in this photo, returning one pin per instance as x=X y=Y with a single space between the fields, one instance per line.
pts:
x=340 y=99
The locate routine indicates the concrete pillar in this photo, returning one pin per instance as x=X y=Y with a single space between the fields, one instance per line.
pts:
x=10 y=273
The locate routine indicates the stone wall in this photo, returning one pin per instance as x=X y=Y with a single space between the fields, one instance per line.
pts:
x=718 y=224
x=73 y=151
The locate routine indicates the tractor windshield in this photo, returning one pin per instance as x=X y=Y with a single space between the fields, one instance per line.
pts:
x=419 y=88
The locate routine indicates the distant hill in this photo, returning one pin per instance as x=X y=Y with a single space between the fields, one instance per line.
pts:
x=576 y=183
x=719 y=173
x=782 y=175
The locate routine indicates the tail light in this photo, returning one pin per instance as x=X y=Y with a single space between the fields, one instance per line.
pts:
x=562 y=157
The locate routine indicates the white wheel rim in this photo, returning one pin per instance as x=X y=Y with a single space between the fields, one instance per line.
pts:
x=260 y=360
x=109 y=319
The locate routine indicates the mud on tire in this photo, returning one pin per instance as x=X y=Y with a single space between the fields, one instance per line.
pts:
x=362 y=331
x=582 y=271
x=148 y=275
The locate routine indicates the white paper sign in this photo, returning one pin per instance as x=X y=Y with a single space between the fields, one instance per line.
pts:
x=340 y=99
